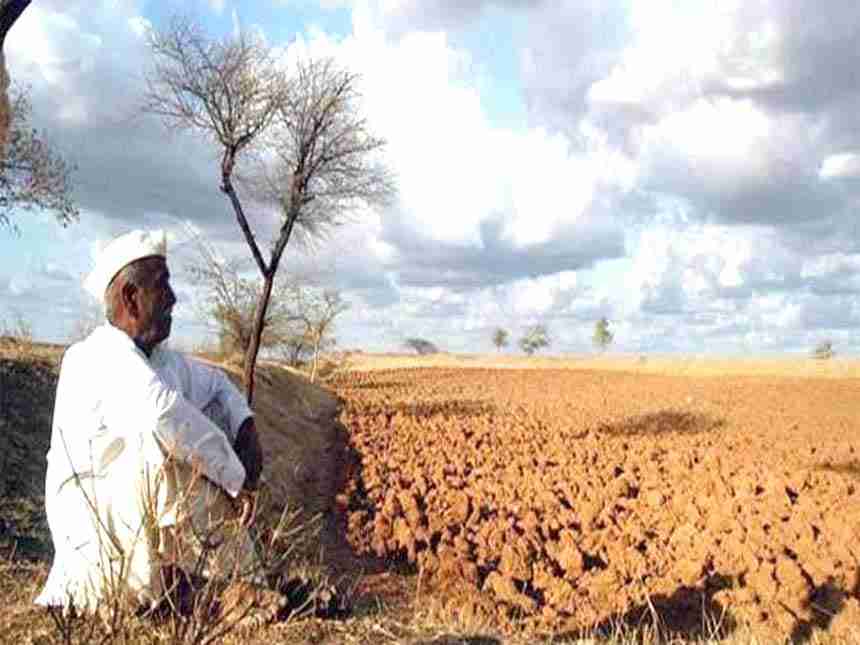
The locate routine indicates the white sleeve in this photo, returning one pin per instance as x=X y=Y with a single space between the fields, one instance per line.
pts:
x=188 y=435
x=144 y=402
x=214 y=393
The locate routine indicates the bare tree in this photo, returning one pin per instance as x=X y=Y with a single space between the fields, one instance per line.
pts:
x=294 y=345
x=313 y=156
x=32 y=174
x=231 y=300
x=323 y=163
x=318 y=311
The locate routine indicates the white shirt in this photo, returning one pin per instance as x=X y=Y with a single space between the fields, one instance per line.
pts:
x=109 y=394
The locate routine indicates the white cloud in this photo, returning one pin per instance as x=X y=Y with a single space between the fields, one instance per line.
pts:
x=677 y=50
x=236 y=21
x=456 y=170
x=721 y=141
x=40 y=44
x=836 y=166
x=829 y=264
x=139 y=26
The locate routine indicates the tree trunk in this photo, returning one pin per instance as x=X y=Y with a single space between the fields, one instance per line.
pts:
x=316 y=358
x=227 y=163
x=263 y=303
x=10 y=11
x=256 y=336
x=268 y=272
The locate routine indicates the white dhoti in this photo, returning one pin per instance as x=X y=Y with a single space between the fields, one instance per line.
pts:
x=114 y=532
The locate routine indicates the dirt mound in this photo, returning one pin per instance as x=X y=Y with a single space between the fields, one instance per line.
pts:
x=572 y=500
x=306 y=450
x=27 y=387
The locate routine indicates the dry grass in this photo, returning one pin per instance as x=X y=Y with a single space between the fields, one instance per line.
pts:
x=787 y=366
x=401 y=615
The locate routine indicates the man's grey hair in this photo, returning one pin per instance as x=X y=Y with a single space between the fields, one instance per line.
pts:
x=137 y=273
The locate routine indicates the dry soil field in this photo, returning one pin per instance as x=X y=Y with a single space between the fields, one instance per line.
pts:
x=554 y=500
x=544 y=496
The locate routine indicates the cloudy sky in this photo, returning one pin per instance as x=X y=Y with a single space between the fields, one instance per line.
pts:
x=688 y=170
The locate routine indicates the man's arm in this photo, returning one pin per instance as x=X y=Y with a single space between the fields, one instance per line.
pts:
x=208 y=386
x=250 y=452
x=140 y=402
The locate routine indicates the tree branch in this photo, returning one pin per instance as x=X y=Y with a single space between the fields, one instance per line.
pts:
x=227 y=188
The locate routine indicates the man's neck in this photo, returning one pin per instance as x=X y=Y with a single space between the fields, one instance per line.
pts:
x=142 y=346
x=146 y=349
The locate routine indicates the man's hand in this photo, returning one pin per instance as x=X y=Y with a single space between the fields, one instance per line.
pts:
x=250 y=453
x=245 y=507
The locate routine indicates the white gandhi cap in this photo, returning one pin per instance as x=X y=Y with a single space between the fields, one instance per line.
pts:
x=119 y=252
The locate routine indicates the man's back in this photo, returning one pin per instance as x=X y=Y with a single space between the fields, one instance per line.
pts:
x=95 y=376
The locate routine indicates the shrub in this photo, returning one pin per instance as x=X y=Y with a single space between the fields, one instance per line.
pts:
x=535 y=338
x=500 y=338
x=824 y=350
x=602 y=336
x=421 y=346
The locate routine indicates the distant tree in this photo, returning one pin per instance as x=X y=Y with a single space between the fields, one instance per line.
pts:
x=421 y=346
x=230 y=292
x=500 y=338
x=294 y=345
x=535 y=338
x=16 y=327
x=317 y=311
x=602 y=336
x=823 y=350
x=299 y=321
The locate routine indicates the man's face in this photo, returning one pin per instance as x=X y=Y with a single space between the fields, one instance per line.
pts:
x=155 y=300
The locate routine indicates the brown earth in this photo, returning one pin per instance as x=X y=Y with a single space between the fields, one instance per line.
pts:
x=545 y=500
x=558 y=500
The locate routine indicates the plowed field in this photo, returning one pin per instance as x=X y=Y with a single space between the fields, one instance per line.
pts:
x=557 y=500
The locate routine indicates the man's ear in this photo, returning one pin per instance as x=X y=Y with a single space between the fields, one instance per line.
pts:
x=128 y=295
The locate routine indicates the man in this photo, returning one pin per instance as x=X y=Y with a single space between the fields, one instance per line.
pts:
x=131 y=431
